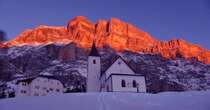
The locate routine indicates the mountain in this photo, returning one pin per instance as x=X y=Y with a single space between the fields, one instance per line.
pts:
x=114 y=33
x=175 y=65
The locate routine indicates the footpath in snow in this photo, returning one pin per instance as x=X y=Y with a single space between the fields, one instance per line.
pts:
x=112 y=101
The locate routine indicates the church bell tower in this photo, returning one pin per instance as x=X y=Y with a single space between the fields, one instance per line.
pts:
x=94 y=70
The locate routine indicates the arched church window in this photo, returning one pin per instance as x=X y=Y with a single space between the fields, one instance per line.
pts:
x=123 y=83
x=94 y=61
x=107 y=88
x=134 y=83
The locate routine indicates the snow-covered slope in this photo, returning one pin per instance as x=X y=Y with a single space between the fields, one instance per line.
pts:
x=69 y=64
x=112 y=101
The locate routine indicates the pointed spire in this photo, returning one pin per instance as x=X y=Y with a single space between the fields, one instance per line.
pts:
x=94 y=51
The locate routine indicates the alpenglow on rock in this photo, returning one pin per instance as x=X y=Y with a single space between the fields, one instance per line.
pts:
x=115 y=33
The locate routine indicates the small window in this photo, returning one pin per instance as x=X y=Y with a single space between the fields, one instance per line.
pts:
x=24 y=83
x=134 y=83
x=51 y=89
x=57 y=90
x=23 y=91
x=119 y=63
x=37 y=87
x=94 y=61
x=123 y=83
x=44 y=88
x=107 y=88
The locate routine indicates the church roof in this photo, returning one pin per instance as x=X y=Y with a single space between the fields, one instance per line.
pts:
x=113 y=61
x=94 y=51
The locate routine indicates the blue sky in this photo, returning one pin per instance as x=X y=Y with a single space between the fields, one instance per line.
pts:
x=163 y=19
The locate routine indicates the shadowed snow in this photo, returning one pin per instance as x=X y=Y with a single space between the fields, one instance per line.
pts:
x=112 y=101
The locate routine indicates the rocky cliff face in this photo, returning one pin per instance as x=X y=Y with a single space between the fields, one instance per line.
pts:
x=114 y=33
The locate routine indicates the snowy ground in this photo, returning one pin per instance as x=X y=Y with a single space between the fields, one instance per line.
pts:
x=112 y=101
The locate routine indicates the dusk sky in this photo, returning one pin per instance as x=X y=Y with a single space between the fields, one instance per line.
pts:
x=163 y=19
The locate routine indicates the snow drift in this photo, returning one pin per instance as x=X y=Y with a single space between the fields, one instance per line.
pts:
x=112 y=101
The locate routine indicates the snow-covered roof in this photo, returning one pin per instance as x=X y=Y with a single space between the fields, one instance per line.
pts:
x=46 y=74
x=27 y=80
x=43 y=75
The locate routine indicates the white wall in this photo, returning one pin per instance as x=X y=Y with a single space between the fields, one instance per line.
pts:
x=103 y=83
x=127 y=74
x=94 y=71
x=39 y=87
x=23 y=89
x=116 y=81
x=44 y=86
x=121 y=68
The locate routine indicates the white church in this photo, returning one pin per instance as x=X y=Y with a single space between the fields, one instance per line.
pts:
x=118 y=77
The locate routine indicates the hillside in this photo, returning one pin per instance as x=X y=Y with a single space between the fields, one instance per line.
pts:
x=112 y=101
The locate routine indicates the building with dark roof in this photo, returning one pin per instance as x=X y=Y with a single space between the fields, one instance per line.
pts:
x=117 y=77
x=39 y=86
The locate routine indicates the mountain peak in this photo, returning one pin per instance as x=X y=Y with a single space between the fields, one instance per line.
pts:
x=115 y=33
x=80 y=18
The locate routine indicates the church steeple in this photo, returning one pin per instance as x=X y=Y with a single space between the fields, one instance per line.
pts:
x=93 y=70
x=94 y=51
